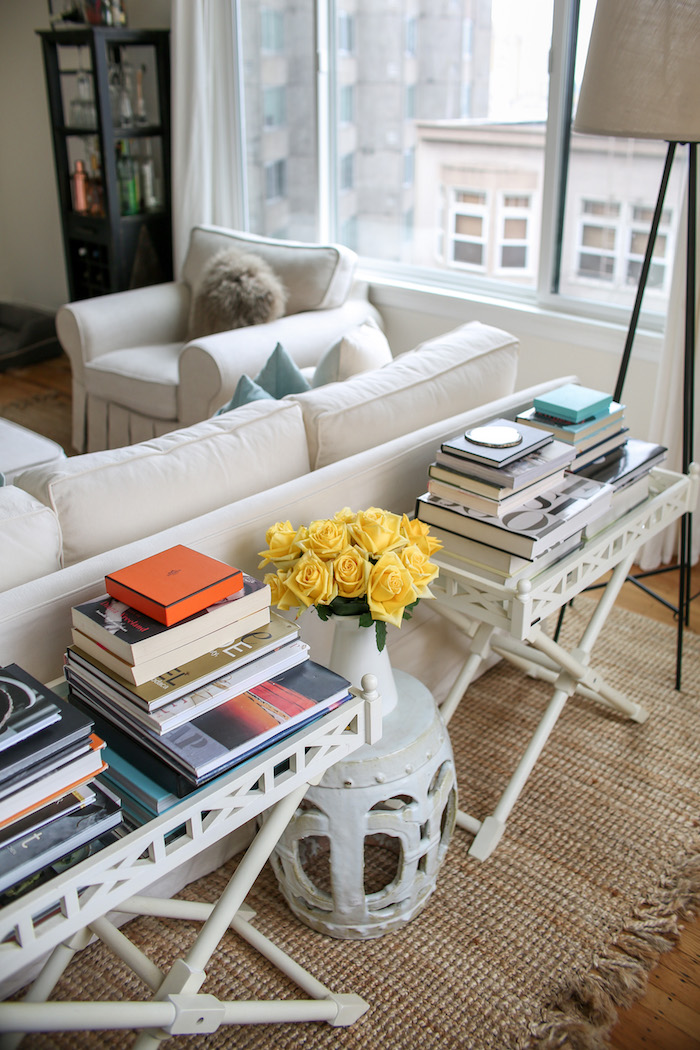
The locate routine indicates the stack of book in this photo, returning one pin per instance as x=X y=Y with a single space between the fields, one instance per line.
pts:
x=50 y=802
x=588 y=420
x=189 y=700
x=509 y=502
x=627 y=469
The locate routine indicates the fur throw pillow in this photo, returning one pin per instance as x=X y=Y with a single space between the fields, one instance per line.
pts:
x=237 y=290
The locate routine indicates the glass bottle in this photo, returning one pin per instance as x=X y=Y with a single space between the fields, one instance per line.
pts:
x=79 y=187
x=127 y=176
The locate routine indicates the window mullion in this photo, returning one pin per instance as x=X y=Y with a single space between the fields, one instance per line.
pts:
x=562 y=58
x=326 y=115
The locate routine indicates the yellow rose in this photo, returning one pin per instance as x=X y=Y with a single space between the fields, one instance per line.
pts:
x=390 y=589
x=422 y=571
x=281 y=595
x=327 y=538
x=284 y=544
x=377 y=531
x=311 y=581
x=345 y=515
x=351 y=570
x=418 y=532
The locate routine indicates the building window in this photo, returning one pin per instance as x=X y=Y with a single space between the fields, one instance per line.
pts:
x=346 y=33
x=514 y=223
x=411 y=27
x=274 y=107
x=613 y=239
x=347 y=172
x=638 y=236
x=468 y=242
x=271 y=30
x=409 y=166
x=346 y=104
x=275 y=180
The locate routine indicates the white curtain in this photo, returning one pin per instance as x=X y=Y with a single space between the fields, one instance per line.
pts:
x=667 y=411
x=204 y=150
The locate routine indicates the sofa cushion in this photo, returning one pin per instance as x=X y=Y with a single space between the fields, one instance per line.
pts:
x=363 y=348
x=465 y=368
x=31 y=538
x=238 y=289
x=105 y=499
x=316 y=276
x=143 y=378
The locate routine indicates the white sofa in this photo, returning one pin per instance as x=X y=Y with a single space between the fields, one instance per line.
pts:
x=218 y=485
x=138 y=372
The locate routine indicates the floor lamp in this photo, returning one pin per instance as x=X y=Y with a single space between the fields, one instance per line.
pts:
x=642 y=80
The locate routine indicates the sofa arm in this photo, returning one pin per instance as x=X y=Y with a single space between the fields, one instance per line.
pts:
x=138 y=317
x=211 y=366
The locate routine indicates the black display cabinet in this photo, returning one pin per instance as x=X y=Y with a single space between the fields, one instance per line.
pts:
x=109 y=101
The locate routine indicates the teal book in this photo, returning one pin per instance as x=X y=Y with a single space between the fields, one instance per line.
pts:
x=572 y=403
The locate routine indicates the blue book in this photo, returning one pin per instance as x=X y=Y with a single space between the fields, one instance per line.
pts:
x=572 y=403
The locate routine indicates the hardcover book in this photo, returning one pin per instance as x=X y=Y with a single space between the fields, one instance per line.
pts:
x=551 y=457
x=130 y=780
x=531 y=529
x=174 y=584
x=37 y=818
x=33 y=771
x=608 y=444
x=624 y=464
x=59 y=837
x=175 y=683
x=475 y=501
x=70 y=729
x=26 y=706
x=62 y=780
x=495 y=564
x=147 y=670
x=575 y=433
x=133 y=636
x=530 y=439
x=573 y=403
x=209 y=696
x=214 y=742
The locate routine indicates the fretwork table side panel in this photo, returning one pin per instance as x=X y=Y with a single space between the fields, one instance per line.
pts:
x=517 y=608
x=100 y=883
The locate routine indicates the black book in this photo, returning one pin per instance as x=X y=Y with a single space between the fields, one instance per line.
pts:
x=625 y=463
x=531 y=438
x=59 y=837
x=26 y=706
x=71 y=728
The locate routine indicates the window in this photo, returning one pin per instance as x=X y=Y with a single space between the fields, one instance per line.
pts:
x=275 y=180
x=469 y=229
x=442 y=111
x=347 y=172
x=271 y=30
x=274 y=107
x=346 y=104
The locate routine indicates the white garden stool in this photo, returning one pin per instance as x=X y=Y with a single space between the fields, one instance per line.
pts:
x=393 y=802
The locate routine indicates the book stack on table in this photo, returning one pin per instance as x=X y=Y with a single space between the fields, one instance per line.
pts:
x=503 y=495
x=51 y=805
x=179 y=704
x=562 y=471
x=588 y=420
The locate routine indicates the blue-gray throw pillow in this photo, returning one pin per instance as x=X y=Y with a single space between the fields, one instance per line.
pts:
x=280 y=375
x=247 y=390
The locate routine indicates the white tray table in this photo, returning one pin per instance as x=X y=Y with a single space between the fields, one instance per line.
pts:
x=509 y=619
x=66 y=912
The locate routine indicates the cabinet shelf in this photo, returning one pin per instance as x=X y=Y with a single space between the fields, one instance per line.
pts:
x=113 y=178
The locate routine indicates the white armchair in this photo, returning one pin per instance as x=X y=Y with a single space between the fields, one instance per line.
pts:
x=135 y=373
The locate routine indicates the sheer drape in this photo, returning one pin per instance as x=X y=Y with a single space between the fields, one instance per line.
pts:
x=204 y=118
x=667 y=411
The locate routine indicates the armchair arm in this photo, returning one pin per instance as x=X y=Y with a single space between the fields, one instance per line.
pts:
x=139 y=317
x=211 y=366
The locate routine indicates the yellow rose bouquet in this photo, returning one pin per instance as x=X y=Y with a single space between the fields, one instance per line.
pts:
x=371 y=564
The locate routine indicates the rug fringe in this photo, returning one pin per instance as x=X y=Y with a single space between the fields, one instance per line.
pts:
x=584 y=1015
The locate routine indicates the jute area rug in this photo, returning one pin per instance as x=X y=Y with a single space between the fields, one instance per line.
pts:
x=535 y=947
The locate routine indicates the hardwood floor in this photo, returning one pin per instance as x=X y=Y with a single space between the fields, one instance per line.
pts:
x=668 y=1016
